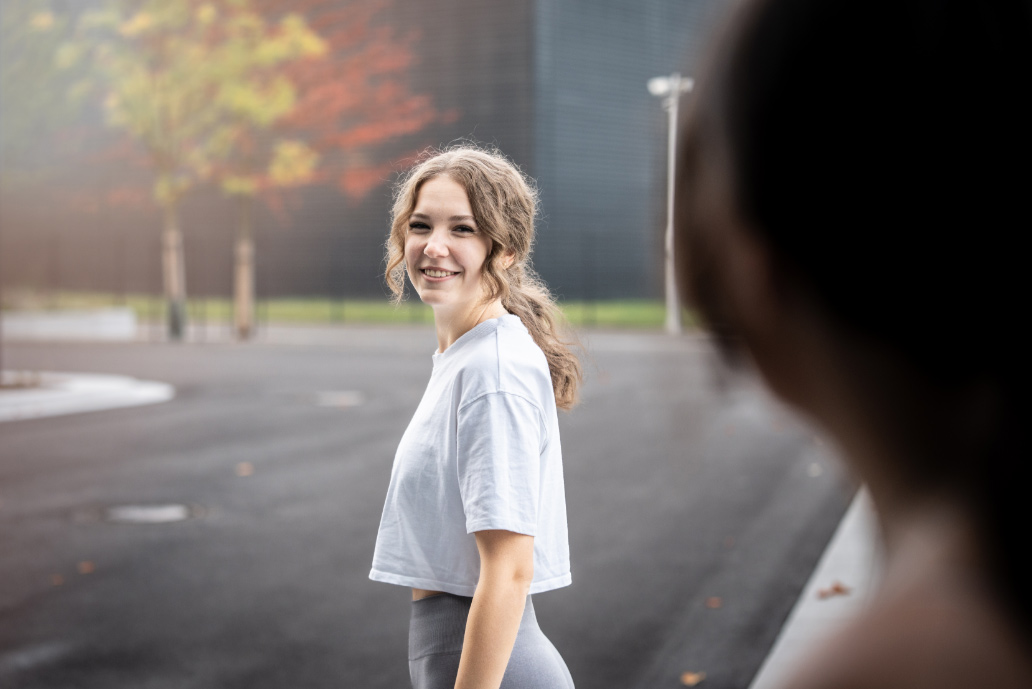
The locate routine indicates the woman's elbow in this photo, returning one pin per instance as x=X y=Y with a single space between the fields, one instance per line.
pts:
x=523 y=577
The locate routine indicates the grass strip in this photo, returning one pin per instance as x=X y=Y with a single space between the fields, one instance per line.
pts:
x=616 y=313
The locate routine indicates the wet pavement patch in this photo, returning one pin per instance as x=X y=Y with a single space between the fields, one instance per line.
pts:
x=148 y=514
x=29 y=657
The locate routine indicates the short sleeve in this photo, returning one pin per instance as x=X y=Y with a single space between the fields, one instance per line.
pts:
x=498 y=445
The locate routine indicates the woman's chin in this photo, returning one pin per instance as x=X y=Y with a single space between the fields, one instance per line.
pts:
x=435 y=299
x=429 y=297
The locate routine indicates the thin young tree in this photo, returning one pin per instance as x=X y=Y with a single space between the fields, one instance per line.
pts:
x=254 y=94
x=168 y=71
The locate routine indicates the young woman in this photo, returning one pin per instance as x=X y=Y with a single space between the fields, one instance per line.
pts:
x=853 y=194
x=475 y=517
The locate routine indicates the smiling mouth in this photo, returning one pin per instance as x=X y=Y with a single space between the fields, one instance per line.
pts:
x=435 y=273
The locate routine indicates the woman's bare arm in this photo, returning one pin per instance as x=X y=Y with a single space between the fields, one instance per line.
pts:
x=506 y=572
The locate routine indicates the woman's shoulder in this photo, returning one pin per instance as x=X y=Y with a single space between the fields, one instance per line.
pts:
x=508 y=361
x=517 y=347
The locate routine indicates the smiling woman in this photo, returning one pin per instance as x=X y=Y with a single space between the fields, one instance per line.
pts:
x=475 y=517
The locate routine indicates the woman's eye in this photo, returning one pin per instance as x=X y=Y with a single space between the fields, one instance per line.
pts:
x=465 y=229
x=418 y=227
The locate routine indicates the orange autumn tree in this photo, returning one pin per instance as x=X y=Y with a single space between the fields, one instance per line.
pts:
x=358 y=97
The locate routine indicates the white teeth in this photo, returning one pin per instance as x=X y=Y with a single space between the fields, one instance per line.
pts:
x=437 y=273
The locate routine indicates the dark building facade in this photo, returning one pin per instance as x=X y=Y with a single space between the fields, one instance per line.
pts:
x=600 y=138
x=557 y=85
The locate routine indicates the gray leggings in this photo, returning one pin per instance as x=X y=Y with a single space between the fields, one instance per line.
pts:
x=435 y=644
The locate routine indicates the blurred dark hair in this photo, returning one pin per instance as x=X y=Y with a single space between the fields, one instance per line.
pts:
x=881 y=151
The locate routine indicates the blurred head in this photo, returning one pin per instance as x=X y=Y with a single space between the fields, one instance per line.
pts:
x=867 y=164
x=502 y=202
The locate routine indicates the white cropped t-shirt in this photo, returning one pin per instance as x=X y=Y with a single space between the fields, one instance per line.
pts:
x=481 y=452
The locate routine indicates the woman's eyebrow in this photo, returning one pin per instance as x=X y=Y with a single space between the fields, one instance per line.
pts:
x=453 y=218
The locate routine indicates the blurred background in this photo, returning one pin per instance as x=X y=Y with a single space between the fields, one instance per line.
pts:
x=261 y=140
x=204 y=384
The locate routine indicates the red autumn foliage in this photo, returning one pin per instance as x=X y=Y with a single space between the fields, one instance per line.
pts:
x=349 y=102
x=357 y=96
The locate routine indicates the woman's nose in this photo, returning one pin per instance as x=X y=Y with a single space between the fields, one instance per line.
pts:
x=436 y=246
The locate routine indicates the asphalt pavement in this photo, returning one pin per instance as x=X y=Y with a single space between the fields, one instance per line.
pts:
x=700 y=514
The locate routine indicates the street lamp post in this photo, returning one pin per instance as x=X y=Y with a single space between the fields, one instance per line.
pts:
x=670 y=89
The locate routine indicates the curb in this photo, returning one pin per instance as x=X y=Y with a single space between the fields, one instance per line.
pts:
x=72 y=393
x=838 y=589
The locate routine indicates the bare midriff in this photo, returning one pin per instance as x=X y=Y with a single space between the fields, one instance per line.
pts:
x=419 y=594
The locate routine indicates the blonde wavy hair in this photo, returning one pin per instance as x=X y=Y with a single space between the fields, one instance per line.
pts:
x=504 y=204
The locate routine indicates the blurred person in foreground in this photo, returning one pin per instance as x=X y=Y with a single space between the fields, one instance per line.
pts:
x=475 y=516
x=853 y=188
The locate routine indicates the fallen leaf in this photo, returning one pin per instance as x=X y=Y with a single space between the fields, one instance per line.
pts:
x=690 y=679
x=836 y=589
x=86 y=567
x=714 y=602
x=244 y=469
x=56 y=579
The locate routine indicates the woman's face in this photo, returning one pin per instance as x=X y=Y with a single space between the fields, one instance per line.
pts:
x=444 y=249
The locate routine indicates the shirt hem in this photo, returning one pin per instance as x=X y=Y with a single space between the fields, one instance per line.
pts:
x=549 y=584
x=421 y=583
x=489 y=523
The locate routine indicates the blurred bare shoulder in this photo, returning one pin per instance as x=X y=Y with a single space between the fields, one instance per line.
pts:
x=921 y=638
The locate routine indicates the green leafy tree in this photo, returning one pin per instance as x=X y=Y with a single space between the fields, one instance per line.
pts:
x=179 y=77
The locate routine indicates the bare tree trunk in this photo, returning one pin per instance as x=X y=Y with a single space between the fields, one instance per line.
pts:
x=243 y=273
x=174 y=272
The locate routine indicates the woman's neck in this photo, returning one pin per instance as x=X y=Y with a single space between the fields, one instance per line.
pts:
x=451 y=326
